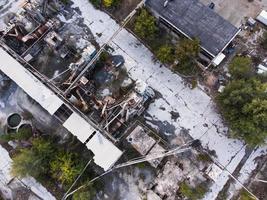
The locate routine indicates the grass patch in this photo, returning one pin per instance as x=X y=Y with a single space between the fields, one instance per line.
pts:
x=204 y=157
x=192 y=193
x=23 y=134
x=244 y=195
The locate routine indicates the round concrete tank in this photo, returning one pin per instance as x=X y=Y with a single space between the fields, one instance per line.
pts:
x=25 y=127
x=14 y=120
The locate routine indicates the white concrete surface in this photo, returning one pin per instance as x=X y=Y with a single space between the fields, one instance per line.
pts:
x=79 y=127
x=106 y=153
x=29 y=83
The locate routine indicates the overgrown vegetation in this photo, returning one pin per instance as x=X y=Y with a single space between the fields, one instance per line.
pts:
x=48 y=161
x=187 y=51
x=244 y=103
x=192 y=193
x=105 y=3
x=165 y=48
x=204 y=157
x=244 y=195
x=241 y=67
x=65 y=167
x=85 y=194
x=166 y=54
x=23 y=134
x=110 y=3
x=145 y=25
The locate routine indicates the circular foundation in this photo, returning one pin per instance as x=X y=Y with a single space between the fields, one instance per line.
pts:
x=25 y=127
x=14 y=120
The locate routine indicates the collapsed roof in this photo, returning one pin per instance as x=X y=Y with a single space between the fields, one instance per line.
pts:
x=105 y=152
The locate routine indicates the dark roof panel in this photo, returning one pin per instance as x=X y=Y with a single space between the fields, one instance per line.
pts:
x=196 y=20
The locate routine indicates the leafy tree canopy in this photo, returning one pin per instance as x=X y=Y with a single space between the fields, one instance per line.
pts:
x=145 y=25
x=244 y=106
x=192 y=193
x=34 y=161
x=187 y=48
x=64 y=168
x=166 y=54
x=86 y=194
x=241 y=67
x=107 y=3
x=186 y=52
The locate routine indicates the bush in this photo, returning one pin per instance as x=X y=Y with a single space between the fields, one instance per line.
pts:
x=204 y=157
x=65 y=167
x=244 y=195
x=33 y=161
x=65 y=1
x=186 y=67
x=145 y=25
x=110 y=3
x=193 y=84
x=186 y=52
x=107 y=3
x=243 y=104
x=241 y=67
x=23 y=134
x=192 y=193
x=86 y=194
x=187 y=48
x=166 y=54
x=96 y=3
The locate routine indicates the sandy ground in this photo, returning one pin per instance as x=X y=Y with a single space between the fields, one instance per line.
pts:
x=235 y=11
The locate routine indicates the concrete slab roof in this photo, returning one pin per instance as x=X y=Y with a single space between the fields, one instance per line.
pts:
x=262 y=17
x=79 y=127
x=194 y=19
x=140 y=140
x=29 y=83
x=106 y=153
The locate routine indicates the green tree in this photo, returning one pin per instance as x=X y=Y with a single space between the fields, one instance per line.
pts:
x=186 y=52
x=23 y=162
x=107 y=3
x=187 y=48
x=166 y=54
x=33 y=161
x=85 y=194
x=243 y=104
x=145 y=25
x=192 y=193
x=244 y=195
x=64 y=168
x=23 y=134
x=241 y=67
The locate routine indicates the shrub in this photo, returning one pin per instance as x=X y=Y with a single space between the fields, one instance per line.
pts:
x=166 y=54
x=244 y=105
x=145 y=25
x=241 y=67
x=244 y=195
x=192 y=193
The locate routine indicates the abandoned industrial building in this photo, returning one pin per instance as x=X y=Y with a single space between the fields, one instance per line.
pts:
x=43 y=57
x=192 y=19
